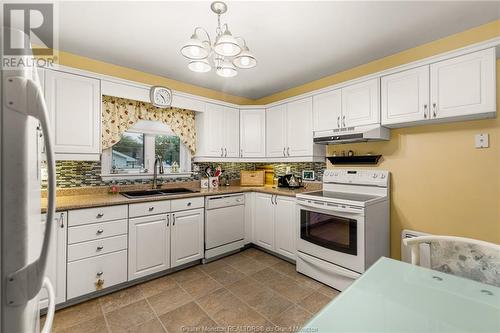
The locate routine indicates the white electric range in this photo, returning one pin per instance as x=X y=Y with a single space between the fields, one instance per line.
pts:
x=345 y=227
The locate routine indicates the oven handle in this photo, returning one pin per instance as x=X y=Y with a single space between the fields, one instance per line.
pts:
x=331 y=207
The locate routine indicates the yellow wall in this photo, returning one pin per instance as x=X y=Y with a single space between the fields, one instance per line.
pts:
x=92 y=65
x=440 y=183
x=462 y=39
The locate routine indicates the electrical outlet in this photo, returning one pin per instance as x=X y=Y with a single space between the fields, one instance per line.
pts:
x=482 y=140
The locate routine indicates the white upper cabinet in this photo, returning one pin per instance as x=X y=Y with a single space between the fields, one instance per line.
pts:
x=231 y=132
x=253 y=133
x=299 y=128
x=187 y=232
x=405 y=96
x=218 y=131
x=455 y=89
x=327 y=110
x=74 y=105
x=464 y=85
x=361 y=104
x=276 y=131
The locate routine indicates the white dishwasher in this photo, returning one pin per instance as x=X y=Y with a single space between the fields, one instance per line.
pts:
x=224 y=224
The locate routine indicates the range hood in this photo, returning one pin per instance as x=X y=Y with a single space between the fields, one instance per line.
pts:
x=352 y=134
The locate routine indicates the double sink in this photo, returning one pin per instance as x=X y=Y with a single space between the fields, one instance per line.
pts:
x=158 y=192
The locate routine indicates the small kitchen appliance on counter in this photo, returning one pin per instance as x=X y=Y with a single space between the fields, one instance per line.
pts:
x=345 y=227
x=289 y=181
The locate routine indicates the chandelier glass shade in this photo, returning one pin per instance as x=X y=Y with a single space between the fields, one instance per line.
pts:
x=226 y=54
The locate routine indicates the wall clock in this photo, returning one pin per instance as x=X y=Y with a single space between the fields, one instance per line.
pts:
x=160 y=96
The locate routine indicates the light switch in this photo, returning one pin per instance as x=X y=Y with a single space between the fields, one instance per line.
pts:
x=482 y=140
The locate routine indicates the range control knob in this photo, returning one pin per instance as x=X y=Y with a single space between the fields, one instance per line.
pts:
x=375 y=175
x=382 y=176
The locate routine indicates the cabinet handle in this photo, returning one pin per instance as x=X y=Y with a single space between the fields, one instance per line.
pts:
x=343 y=120
x=99 y=248
x=151 y=209
x=221 y=152
x=100 y=231
x=425 y=111
x=61 y=220
x=434 y=112
x=225 y=149
x=99 y=273
x=189 y=204
x=100 y=215
x=241 y=152
x=168 y=220
x=284 y=154
x=288 y=151
x=338 y=121
x=173 y=219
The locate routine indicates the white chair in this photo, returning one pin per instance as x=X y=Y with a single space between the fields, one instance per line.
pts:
x=465 y=257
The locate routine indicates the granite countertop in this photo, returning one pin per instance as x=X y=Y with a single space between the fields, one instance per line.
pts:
x=88 y=197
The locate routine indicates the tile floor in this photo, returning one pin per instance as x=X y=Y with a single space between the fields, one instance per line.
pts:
x=245 y=290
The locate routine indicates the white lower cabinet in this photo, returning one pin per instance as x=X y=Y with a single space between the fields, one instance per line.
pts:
x=149 y=245
x=187 y=236
x=159 y=242
x=275 y=226
x=96 y=273
x=56 y=260
x=285 y=226
x=264 y=221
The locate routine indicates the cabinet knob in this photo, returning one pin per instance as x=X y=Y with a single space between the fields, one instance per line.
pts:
x=189 y=204
x=100 y=247
x=100 y=231
x=100 y=215
x=99 y=273
x=151 y=209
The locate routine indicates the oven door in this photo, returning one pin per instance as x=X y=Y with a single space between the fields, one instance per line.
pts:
x=334 y=233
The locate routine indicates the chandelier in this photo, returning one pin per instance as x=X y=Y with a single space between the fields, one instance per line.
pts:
x=227 y=53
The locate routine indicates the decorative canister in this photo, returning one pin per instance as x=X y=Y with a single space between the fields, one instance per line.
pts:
x=213 y=182
x=204 y=183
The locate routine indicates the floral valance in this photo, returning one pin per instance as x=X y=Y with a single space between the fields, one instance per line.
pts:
x=120 y=114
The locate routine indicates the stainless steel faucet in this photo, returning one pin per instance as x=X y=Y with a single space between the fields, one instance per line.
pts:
x=157 y=168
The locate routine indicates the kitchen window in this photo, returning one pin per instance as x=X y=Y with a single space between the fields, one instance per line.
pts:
x=134 y=155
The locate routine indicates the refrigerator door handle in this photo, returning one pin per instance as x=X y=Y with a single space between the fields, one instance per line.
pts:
x=25 y=96
x=51 y=308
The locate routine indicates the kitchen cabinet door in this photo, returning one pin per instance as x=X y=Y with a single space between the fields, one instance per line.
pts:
x=463 y=85
x=286 y=226
x=276 y=131
x=149 y=245
x=405 y=96
x=187 y=232
x=327 y=110
x=253 y=133
x=360 y=104
x=74 y=106
x=56 y=260
x=264 y=221
x=209 y=127
x=299 y=128
x=231 y=132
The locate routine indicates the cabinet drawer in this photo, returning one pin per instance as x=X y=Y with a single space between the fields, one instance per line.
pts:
x=93 y=215
x=96 y=247
x=96 y=231
x=149 y=208
x=84 y=274
x=189 y=203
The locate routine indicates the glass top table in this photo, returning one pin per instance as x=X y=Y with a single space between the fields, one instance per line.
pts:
x=393 y=296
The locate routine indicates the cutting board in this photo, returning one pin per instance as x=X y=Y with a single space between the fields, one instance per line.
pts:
x=252 y=178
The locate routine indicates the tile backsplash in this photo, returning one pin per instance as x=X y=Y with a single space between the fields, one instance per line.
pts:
x=87 y=173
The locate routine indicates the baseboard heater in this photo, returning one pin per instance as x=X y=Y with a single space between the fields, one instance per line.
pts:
x=425 y=249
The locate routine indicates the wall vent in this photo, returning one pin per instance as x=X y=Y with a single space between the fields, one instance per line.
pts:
x=425 y=250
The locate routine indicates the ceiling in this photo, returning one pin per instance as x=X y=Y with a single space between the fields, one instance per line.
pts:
x=294 y=42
